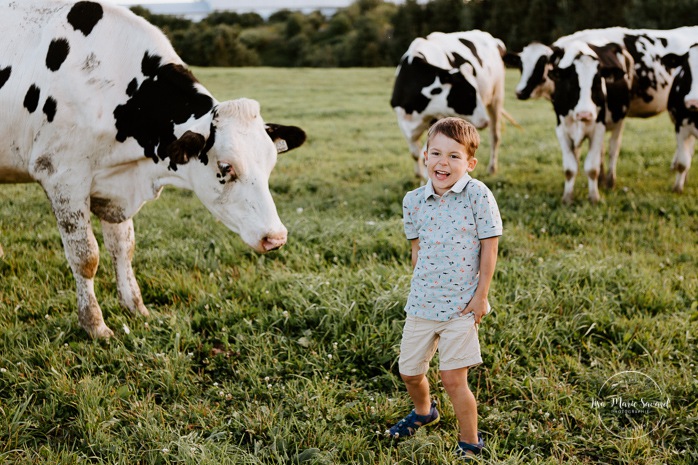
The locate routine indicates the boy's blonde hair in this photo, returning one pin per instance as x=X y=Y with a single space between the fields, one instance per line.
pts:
x=457 y=129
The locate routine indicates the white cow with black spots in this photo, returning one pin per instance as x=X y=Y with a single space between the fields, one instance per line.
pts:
x=455 y=74
x=100 y=110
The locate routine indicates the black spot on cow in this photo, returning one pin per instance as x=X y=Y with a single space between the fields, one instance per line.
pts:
x=132 y=87
x=203 y=156
x=462 y=97
x=645 y=77
x=31 y=99
x=84 y=16
x=150 y=65
x=456 y=61
x=411 y=79
x=680 y=88
x=5 y=75
x=415 y=76
x=566 y=93
x=49 y=108
x=617 y=99
x=537 y=77
x=472 y=48
x=57 y=53
x=167 y=97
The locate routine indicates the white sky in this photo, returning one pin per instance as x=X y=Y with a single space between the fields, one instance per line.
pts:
x=266 y=3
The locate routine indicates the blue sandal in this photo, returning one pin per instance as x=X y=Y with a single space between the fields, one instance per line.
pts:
x=412 y=422
x=474 y=449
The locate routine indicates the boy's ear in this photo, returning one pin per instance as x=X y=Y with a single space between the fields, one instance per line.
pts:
x=472 y=163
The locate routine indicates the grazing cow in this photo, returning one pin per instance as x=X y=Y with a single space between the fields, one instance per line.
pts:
x=683 y=108
x=100 y=110
x=456 y=74
x=650 y=78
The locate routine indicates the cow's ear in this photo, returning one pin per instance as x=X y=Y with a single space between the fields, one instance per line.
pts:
x=512 y=60
x=672 y=60
x=611 y=67
x=285 y=137
x=188 y=146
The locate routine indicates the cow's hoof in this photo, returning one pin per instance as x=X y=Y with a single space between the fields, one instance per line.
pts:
x=100 y=332
x=492 y=169
x=610 y=182
x=677 y=189
x=141 y=310
x=567 y=200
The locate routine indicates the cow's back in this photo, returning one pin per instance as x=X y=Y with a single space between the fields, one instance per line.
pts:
x=64 y=67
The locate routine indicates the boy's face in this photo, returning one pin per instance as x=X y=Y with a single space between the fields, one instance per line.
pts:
x=447 y=161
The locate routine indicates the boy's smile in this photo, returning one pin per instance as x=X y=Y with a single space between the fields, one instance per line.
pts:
x=447 y=161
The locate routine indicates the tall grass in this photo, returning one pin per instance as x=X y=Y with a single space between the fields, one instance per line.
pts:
x=291 y=357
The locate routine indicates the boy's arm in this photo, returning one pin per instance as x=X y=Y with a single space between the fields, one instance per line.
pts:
x=415 y=251
x=488 y=260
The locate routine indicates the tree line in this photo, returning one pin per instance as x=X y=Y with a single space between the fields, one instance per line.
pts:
x=377 y=33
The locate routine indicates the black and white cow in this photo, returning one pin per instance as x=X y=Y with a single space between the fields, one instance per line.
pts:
x=683 y=108
x=591 y=95
x=455 y=74
x=99 y=110
x=650 y=79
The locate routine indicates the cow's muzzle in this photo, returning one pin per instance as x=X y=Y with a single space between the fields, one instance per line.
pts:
x=272 y=241
x=585 y=116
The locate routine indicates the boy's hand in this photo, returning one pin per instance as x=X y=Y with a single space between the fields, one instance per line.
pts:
x=478 y=307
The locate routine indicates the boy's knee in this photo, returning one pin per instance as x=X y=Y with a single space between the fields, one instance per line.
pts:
x=454 y=379
x=412 y=379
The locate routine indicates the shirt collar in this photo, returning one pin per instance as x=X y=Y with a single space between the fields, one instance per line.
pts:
x=456 y=188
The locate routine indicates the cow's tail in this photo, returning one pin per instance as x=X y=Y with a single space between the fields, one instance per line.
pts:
x=511 y=119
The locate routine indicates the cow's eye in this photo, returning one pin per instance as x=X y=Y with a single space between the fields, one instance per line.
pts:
x=226 y=169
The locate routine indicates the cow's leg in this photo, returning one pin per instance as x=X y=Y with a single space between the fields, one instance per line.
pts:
x=592 y=163
x=570 y=163
x=495 y=136
x=81 y=249
x=412 y=127
x=120 y=241
x=613 y=153
x=685 y=142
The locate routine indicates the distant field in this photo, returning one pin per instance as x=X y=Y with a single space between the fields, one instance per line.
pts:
x=292 y=357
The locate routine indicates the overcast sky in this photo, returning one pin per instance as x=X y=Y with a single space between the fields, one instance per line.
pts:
x=260 y=3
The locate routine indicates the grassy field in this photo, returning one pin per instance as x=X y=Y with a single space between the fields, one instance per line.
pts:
x=292 y=357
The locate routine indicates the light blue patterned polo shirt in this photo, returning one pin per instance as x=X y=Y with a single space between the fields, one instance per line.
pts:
x=449 y=229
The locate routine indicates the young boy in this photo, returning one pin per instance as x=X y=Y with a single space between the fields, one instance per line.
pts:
x=454 y=225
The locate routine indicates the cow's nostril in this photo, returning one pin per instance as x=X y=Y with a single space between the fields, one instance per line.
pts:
x=273 y=242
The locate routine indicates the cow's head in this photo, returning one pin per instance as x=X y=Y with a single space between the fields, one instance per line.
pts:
x=685 y=86
x=228 y=160
x=582 y=73
x=532 y=61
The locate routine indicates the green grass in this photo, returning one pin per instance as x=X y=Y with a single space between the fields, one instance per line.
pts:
x=291 y=357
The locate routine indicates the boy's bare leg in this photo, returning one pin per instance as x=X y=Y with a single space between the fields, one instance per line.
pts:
x=464 y=404
x=418 y=389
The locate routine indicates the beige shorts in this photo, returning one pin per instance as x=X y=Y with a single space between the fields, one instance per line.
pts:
x=456 y=340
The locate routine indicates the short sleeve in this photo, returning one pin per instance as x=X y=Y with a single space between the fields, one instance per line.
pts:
x=410 y=228
x=486 y=212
